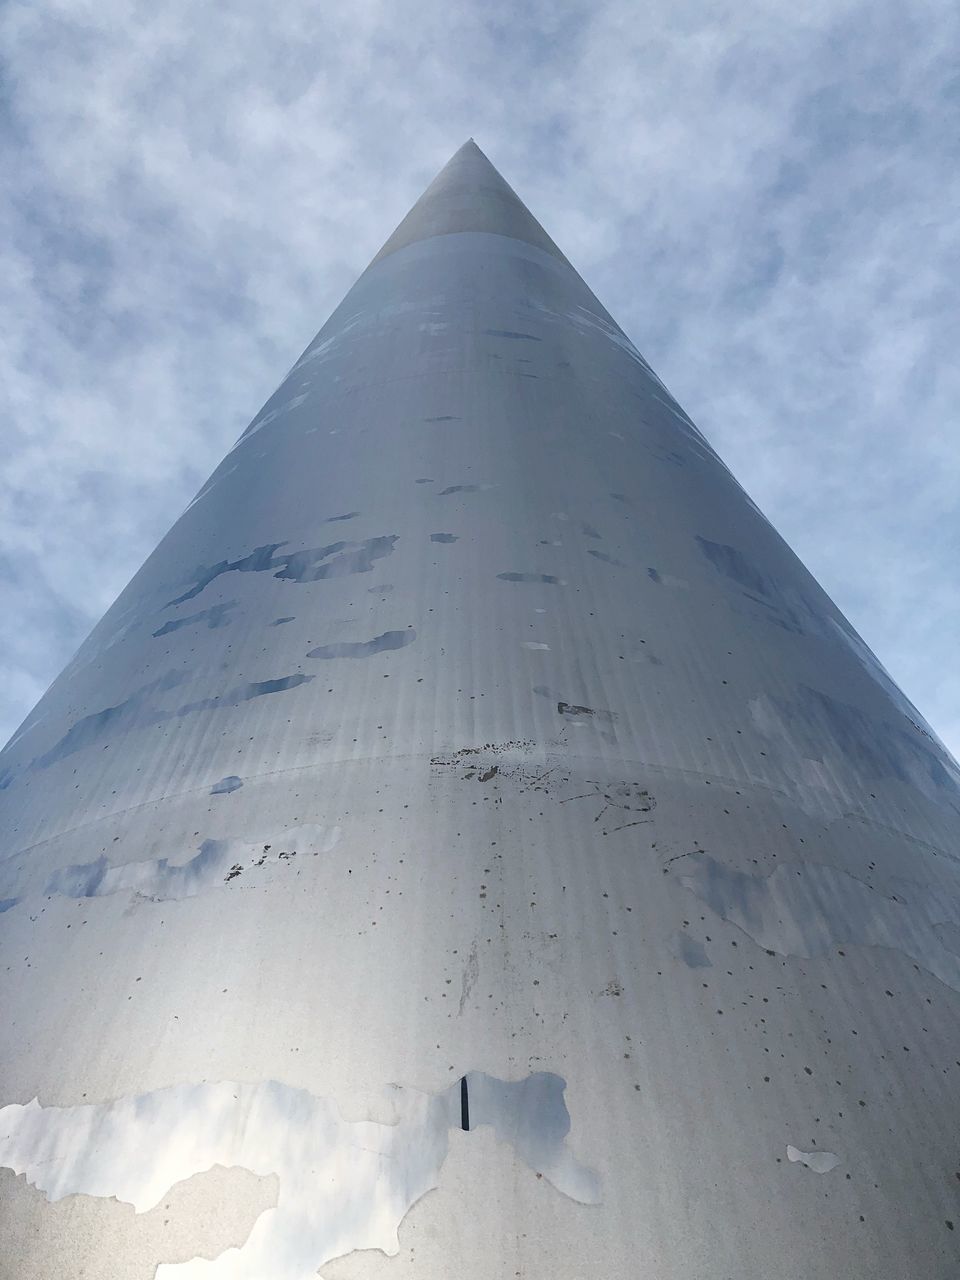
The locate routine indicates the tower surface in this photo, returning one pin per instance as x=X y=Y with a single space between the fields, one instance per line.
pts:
x=474 y=846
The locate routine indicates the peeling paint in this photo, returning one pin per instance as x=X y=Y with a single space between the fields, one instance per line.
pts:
x=733 y=564
x=215 y=616
x=509 y=333
x=818 y=726
x=226 y=785
x=333 y=561
x=242 y=693
x=818 y=1161
x=471 y=972
x=343 y=1185
x=89 y=729
x=570 y=709
x=137 y=712
x=264 y=419
x=548 y=578
x=809 y=909
x=785 y=605
x=693 y=953
x=365 y=648
x=217 y=862
x=602 y=555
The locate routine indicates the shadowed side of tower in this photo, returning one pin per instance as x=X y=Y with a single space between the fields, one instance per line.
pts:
x=473 y=836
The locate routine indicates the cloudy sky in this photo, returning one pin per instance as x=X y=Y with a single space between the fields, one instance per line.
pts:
x=764 y=194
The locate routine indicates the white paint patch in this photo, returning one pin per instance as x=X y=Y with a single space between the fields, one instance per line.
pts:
x=818 y=1161
x=214 y=480
x=259 y=423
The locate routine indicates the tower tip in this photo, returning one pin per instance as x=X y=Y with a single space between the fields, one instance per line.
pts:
x=469 y=194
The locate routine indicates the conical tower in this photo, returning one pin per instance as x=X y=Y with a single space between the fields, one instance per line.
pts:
x=473 y=844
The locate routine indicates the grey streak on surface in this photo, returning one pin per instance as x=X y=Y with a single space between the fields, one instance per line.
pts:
x=90 y=728
x=548 y=578
x=242 y=693
x=508 y=333
x=332 y=561
x=364 y=648
x=602 y=555
x=732 y=563
x=215 y=616
x=827 y=728
x=693 y=953
x=571 y=709
x=804 y=609
x=138 y=711
x=443 y=537
x=226 y=785
x=807 y=909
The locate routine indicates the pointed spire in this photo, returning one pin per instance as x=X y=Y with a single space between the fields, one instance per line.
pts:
x=468 y=194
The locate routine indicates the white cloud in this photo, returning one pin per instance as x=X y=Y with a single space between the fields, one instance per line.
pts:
x=763 y=196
